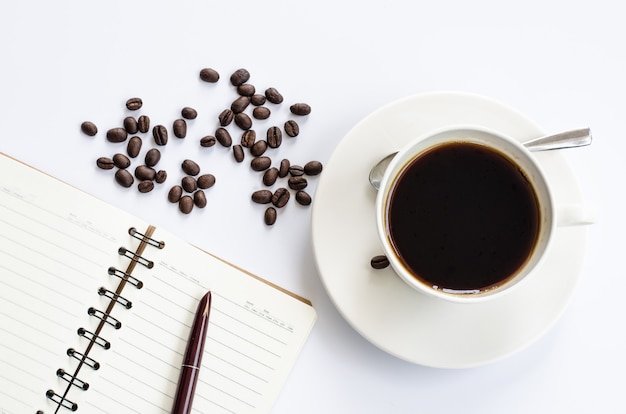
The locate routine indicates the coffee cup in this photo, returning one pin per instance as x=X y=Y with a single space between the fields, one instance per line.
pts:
x=466 y=214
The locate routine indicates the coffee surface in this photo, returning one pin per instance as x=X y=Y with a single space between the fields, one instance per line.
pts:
x=463 y=217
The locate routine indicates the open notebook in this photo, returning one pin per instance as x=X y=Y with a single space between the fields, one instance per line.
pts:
x=94 y=316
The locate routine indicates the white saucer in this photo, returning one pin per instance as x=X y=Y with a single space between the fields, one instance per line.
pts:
x=381 y=307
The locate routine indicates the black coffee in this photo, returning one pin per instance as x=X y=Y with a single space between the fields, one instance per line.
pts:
x=463 y=217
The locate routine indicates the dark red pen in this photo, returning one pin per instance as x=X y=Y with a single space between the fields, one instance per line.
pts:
x=190 y=368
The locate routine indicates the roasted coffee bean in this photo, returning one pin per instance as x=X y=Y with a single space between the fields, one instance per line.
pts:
x=238 y=153
x=270 y=176
x=296 y=170
x=291 y=128
x=297 y=183
x=280 y=197
x=274 y=137
x=303 y=198
x=199 y=199
x=121 y=161
x=130 y=125
x=223 y=137
x=262 y=196
x=175 y=194
x=313 y=168
x=153 y=156
x=273 y=95
x=143 y=123
x=189 y=184
x=239 y=77
x=240 y=104
x=89 y=128
x=105 y=163
x=260 y=163
x=159 y=132
x=261 y=112
x=209 y=75
x=190 y=167
x=379 y=262
x=188 y=113
x=134 y=147
x=300 y=109
x=248 y=138
x=206 y=181
x=243 y=121
x=283 y=170
x=145 y=186
x=258 y=148
x=143 y=172
x=207 y=141
x=117 y=135
x=124 y=178
x=257 y=99
x=226 y=117
x=270 y=216
x=160 y=176
x=134 y=103
x=185 y=204
x=246 y=89
x=180 y=128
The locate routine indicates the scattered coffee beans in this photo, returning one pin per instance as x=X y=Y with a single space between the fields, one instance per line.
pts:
x=189 y=184
x=238 y=153
x=379 y=262
x=296 y=170
x=190 y=167
x=134 y=147
x=274 y=137
x=270 y=176
x=117 y=135
x=262 y=196
x=134 y=103
x=223 y=137
x=283 y=170
x=180 y=128
x=143 y=172
x=209 y=75
x=261 y=163
x=206 y=181
x=130 y=125
x=143 y=123
x=270 y=216
x=185 y=204
x=313 y=168
x=175 y=193
x=246 y=89
x=258 y=148
x=160 y=176
x=248 y=138
x=280 y=197
x=300 y=109
x=105 y=163
x=188 y=113
x=89 y=128
x=207 y=141
x=239 y=77
x=297 y=183
x=261 y=112
x=257 y=99
x=303 y=198
x=243 y=121
x=292 y=129
x=145 y=186
x=240 y=104
x=124 y=178
x=199 y=199
x=273 y=96
x=159 y=132
x=153 y=156
x=226 y=117
x=121 y=161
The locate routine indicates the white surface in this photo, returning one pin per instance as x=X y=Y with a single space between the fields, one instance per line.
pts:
x=561 y=63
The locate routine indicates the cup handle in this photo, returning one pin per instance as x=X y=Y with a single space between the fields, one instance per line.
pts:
x=575 y=215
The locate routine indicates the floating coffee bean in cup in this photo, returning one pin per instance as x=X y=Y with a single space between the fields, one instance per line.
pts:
x=300 y=109
x=105 y=163
x=239 y=77
x=134 y=104
x=117 y=135
x=188 y=113
x=143 y=123
x=124 y=178
x=180 y=128
x=190 y=167
x=134 y=146
x=270 y=216
x=209 y=75
x=89 y=128
x=159 y=132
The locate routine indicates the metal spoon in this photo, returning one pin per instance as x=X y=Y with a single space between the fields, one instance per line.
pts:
x=567 y=139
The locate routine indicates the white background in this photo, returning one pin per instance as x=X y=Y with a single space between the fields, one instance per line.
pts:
x=562 y=63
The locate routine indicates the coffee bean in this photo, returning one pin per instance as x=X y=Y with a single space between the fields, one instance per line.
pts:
x=260 y=163
x=297 y=183
x=188 y=113
x=121 y=161
x=280 y=197
x=145 y=186
x=143 y=123
x=180 y=128
x=258 y=148
x=190 y=167
x=240 y=104
x=124 y=178
x=291 y=128
x=300 y=109
x=262 y=196
x=261 y=112
x=226 y=117
x=270 y=176
x=117 y=135
x=273 y=95
x=209 y=75
x=248 y=138
x=134 y=147
x=175 y=194
x=189 y=184
x=206 y=181
x=134 y=103
x=153 y=156
x=89 y=128
x=270 y=216
x=223 y=137
x=159 y=132
x=257 y=99
x=143 y=172
x=379 y=262
x=105 y=163
x=283 y=170
x=130 y=125
x=239 y=77
x=303 y=198
x=199 y=199
x=238 y=153
x=243 y=121
x=296 y=170
x=313 y=168
x=246 y=89
x=274 y=137
x=185 y=204
x=160 y=176
x=207 y=141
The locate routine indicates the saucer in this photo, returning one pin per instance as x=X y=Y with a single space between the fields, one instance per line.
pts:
x=377 y=303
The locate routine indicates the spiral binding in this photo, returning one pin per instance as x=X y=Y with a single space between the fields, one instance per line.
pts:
x=61 y=400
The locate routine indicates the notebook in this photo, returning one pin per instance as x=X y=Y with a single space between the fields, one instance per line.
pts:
x=96 y=307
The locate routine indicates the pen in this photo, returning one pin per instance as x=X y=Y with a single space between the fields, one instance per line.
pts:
x=190 y=368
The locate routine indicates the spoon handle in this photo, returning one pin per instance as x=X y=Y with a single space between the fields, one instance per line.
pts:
x=567 y=139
